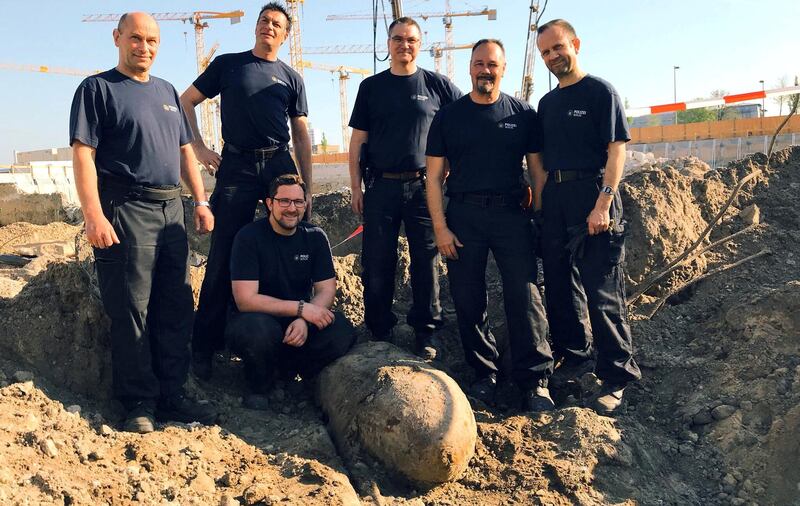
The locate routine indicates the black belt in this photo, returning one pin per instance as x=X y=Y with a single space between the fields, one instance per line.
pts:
x=486 y=199
x=410 y=175
x=139 y=192
x=263 y=153
x=562 y=176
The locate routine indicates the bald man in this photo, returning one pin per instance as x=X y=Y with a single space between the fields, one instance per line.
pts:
x=131 y=146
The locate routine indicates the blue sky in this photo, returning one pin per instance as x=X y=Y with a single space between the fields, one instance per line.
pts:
x=720 y=44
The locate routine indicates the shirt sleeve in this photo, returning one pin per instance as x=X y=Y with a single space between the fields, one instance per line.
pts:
x=322 y=268
x=615 y=127
x=298 y=106
x=359 y=118
x=435 y=145
x=453 y=92
x=86 y=115
x=534 y=141
x=244 y=258
x=208 y=83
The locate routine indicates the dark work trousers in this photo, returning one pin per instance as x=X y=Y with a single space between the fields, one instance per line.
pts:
x=242 y=180
x=588 y=284
x=258 y=339
x=388 y=202
x=508 y=233
x=144 y=285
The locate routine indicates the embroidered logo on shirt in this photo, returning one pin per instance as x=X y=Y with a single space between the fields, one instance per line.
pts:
x=421 y=98
x=302 y=257
x=507 y=126
x=275 y=79
x=170 y=108
x=576 y=113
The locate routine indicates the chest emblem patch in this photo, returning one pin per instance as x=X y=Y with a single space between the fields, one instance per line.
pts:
x=170 y=108
x=576 y=113
x=420 y=98
x=301 y=257
x=276 y=80
x=506 y=126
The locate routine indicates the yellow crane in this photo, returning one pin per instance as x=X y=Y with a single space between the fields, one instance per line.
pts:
x=295 y=43
x=209 y=109
x=344 y=74
x=48 y=70
x=447 y=20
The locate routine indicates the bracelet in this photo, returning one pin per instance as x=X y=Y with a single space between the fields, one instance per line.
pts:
x=300 y=308
x=201 y=203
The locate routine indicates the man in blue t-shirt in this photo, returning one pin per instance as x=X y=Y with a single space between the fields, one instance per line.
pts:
x=284 y=284
x=130 y=143
x=262 y=99
x=483 y=137
x=392 y=114
x=576 y=177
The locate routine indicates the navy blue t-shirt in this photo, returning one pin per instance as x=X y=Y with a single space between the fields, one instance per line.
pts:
x=136 y=127
x=286 y=267
x=578 y=122
x=397 y=111
x=484 y=143
x=258 y=98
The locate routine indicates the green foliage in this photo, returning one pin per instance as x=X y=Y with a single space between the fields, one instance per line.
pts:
x=697 y=115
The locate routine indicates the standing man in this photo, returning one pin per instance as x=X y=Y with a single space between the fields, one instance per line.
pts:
x=484 y=136
x=284 y=284
x=392 y=114
x=576 y=176
x=262 y=98
x=130 y=143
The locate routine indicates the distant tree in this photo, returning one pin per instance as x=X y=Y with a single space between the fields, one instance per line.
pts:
x=697 y=115
x=783 y=82
x=324 y=143
x=627 y=107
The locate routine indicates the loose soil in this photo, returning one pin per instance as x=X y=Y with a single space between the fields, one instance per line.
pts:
x=714 y=420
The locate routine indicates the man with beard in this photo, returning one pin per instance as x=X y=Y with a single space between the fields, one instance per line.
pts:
x=260 y=95
x=484 y=136
x=576 y=177
x=284 y=283
x=130 y=144
x=392 y=113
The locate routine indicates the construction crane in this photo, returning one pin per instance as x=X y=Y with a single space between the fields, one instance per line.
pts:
x=295 y=42
x=436 y=50
x=526 y=88
x=447 y=20
x=344 y=74
x=209 y=109
x=48 y=70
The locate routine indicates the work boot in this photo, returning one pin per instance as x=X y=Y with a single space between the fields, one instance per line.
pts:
x=202 y=366
x=181 y=409
x=257 y=402
x=607 y=400
x=427 y=346
x=140 y=418
x=568 y=371
x=484 y=388
x=537 y=400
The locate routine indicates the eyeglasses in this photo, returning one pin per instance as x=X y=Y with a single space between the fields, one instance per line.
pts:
x=399 y=40
x=298 y=203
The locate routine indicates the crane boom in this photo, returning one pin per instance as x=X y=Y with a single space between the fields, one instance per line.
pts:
x=48 y=70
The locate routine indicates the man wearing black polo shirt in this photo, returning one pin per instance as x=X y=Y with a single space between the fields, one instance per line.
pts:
x=584 y=132
x=260 y=95
x=130 y=143
x=392 y=114
x=484 y=136
x=284 y=285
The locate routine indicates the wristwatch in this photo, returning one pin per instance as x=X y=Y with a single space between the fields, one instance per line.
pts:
x=201 y=203
x=607 y=190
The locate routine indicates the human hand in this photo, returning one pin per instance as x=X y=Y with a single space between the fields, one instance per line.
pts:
x=598 y=221
x=203 y=219
x=296 y=333
x=357 y=200
x=447 y=243
x=319 y=316
x=99 y=231
x=208 y=158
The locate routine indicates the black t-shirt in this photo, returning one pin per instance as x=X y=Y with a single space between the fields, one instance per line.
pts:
x=578 y=122
x=136 y=127
x=484 y=143
x=286 y=267
x=258 y=98
x=397 y=111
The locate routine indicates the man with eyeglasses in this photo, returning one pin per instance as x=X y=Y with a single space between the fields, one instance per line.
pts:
x=284 y=283
x=391 y=115
x=260 y=95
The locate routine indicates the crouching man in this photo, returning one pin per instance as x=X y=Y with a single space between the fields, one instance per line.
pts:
x=284 y=283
